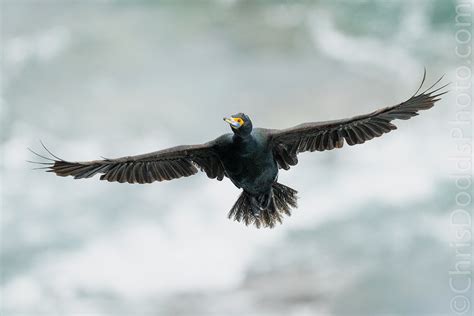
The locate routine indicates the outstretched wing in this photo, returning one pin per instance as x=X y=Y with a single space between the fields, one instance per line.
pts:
x=168 y=164
x=321 y=136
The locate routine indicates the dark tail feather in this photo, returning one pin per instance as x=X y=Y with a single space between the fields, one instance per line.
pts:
x=283 y=200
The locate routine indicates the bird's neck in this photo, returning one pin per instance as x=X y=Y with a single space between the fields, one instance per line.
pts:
x=242 y=138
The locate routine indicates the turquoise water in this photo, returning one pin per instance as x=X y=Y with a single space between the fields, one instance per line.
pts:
x=371 y=235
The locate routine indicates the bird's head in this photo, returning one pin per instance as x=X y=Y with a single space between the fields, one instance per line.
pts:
x=240 y=124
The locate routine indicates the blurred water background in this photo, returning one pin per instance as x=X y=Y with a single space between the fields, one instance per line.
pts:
x=114 y=78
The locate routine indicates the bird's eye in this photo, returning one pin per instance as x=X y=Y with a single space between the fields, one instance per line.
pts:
x=240 y=121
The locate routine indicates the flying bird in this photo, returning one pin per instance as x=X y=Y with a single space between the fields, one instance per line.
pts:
x=250 y=157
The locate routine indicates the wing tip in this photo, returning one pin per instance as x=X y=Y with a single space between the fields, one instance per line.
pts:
x=432 y=89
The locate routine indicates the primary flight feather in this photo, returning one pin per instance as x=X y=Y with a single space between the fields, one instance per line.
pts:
x=250 y=157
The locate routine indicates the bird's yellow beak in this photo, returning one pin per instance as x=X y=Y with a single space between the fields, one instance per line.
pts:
x=232 y=121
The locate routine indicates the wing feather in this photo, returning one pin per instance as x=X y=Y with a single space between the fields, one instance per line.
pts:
x=168 y=164
x=328 y=135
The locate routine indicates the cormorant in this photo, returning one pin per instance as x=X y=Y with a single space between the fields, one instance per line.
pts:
x=250 y=157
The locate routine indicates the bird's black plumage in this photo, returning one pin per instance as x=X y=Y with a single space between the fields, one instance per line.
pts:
x=250 y=157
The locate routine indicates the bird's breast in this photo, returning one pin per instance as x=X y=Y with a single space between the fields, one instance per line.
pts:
x=250 y=165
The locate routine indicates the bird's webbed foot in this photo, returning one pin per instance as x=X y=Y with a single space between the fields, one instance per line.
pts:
x=255 y=207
